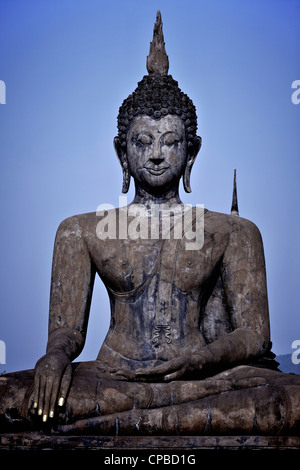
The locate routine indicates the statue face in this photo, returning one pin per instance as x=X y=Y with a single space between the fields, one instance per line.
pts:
x=156 y=152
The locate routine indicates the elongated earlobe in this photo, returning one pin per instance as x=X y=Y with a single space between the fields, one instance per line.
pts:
x=193 y=152
x=187 y=177
x=126 y=178
x=123 y=161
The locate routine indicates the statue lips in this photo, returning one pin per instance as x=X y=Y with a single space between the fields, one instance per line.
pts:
x=156 y=171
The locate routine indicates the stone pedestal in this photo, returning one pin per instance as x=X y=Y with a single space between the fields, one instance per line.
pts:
x=188 y=444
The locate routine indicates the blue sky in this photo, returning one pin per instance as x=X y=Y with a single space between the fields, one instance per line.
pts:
x=68 y=65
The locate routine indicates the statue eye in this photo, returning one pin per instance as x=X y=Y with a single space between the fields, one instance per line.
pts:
x=171 y=139
x=144 y=139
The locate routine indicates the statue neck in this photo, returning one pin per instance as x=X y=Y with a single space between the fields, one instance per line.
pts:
x=142 y=196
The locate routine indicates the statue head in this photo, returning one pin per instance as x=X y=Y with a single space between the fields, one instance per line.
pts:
x=159 y=104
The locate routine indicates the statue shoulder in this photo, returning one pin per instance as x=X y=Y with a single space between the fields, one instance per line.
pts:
x=226 y=223
x=77 y=225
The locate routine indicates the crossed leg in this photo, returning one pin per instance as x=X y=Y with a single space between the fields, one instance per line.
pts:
x=242 y=400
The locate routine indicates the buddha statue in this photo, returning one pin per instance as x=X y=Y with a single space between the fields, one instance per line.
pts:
x=188 y=348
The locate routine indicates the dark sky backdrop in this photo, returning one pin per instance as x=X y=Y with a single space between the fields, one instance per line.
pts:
x=68 y=65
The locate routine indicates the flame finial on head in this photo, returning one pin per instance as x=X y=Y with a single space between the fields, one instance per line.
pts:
x=157 y=60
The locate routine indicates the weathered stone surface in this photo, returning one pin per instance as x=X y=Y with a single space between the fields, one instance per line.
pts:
x=188 y=349
x=38 y=441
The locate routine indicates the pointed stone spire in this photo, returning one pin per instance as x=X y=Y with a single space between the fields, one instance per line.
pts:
x=234 y=205
x=157 y=60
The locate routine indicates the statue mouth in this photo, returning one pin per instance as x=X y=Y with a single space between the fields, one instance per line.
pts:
x=156 y=171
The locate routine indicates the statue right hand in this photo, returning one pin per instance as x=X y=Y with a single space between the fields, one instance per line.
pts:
x=53 y=373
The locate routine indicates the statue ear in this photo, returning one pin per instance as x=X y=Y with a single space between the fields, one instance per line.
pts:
x=124 y=164
x=193 y=150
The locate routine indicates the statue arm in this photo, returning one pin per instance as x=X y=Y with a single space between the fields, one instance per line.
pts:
x=71 y=289
x=244 y=281
x=72 y=280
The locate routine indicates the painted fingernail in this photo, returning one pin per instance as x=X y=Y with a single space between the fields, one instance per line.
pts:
x=35 y=405
x=45 y=418
x=40 y=412
x=51 y=414
x=61 y=401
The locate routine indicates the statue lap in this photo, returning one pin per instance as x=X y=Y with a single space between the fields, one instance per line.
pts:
x=242 y=400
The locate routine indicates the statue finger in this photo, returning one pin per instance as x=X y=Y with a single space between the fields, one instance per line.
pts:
x=54 y=394
x=142 y=373
x=169 y=366
x=41 y=394
x=65 y=385
x=158 y=371
x=125 y=374
x=47 y=396
x=173 y=376
x=36 y=390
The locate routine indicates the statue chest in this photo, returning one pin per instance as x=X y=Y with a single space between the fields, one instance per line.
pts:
x=155 y=290
x=126 y=265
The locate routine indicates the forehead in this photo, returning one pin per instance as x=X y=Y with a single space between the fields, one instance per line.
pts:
x=169 y=123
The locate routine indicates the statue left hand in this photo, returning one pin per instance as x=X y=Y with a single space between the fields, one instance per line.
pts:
x=172 y=369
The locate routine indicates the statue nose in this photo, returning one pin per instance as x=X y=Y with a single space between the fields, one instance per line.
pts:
x=156 y=160
x=157 y=156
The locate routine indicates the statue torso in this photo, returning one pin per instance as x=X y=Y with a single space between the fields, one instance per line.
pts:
x=157 y=289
